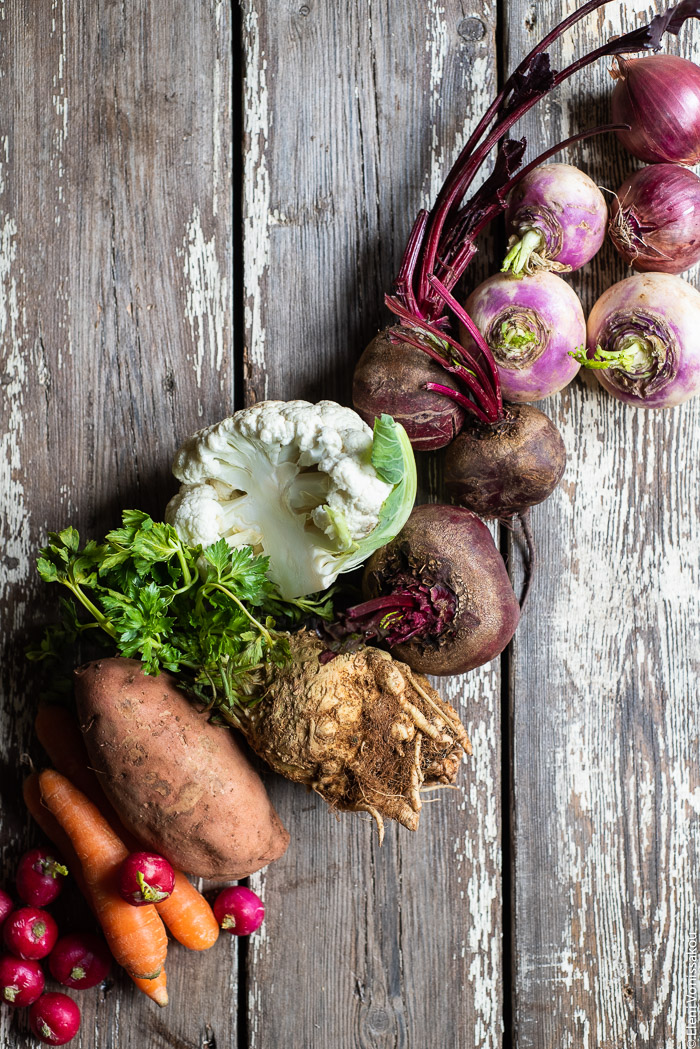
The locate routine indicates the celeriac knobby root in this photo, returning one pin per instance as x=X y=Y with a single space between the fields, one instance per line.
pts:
x=362 y=730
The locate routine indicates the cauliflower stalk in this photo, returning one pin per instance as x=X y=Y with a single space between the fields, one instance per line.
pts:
x=309 y=485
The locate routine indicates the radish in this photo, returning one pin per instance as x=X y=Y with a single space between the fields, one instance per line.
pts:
x=54 y=1018
x=643 y=340
x=441 y=245
x=438 y=595
x=21 y=981
x=6 y=906
x=556 y=219
x=531 y=325
x=238 y=910
x=80 y=960
x=30 y=933
x=40 y=877
x=145 y=877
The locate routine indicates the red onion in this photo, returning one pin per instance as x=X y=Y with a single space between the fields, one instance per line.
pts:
x=655 y=219
x=659 y=97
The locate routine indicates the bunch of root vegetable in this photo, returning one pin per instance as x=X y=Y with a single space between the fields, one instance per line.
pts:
x=505 y=457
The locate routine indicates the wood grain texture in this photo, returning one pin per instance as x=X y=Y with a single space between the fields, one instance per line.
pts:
x=115 y=258
x=605 y=669
x=353 y=113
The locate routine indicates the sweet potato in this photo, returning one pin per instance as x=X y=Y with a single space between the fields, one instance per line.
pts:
x=178 y=782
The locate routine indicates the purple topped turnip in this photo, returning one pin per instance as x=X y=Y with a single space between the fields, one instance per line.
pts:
x=643 y=340
x=655 y=219
x=556 y=220
x=531 y=326
x=438 y=595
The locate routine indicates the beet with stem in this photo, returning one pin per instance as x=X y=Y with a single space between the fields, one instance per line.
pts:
x=438 y=595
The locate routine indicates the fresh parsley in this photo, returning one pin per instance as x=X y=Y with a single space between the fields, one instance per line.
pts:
x=211 y=615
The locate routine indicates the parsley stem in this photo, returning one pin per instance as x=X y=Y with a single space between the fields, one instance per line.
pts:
x=263 y=630
x=101 y=619
x=185 y=570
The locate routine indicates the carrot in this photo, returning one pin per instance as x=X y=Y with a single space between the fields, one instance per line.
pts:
x=188 y=916
x=60 y=736
x=186 y=913
x=155 y=988
x=135 y=935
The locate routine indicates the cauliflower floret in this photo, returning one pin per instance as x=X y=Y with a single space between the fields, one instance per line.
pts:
x=300 y=481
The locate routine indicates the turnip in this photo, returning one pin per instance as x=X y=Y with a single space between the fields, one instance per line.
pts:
x=54 y=1018
x=30 y=933
x=556 y=219
x=643 y=340
x=80 y=960
x=239 y=910
x=21 y=981
x=442 y=243
x=40 y=877
x=531 y=326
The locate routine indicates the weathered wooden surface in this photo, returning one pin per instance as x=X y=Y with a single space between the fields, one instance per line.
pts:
x=352 y=116
x=605 y=694
x=117 y=328
x=115 y=258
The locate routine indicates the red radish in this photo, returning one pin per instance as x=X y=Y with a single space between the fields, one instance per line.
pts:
x=54 y=1018
x=6 y=905
x=145 y=877
x=80 y=960
x=21 y=982
x=30 y=933
x=40 y=877
x=238 y=910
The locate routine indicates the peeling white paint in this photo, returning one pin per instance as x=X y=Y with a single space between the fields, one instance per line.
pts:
x=256 y=188
x=206 y=298
x=14 y=520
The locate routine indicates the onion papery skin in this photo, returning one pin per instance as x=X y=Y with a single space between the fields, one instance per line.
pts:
x=566 y=206
x=664 y=309
x=659 y=97
x=543 y=305
x=655 y=219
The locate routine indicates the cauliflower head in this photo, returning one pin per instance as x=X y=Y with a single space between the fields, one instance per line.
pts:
x=309 y=485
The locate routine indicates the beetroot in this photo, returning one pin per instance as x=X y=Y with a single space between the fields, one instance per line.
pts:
x=21 y=982
x=80 y=960
x=54 y=1018
x=439 y=593
x=390 y=377
x=501 y=470
x=145 y=877
x=30 y=933
x=238 y=910
x=6 y=906
x=40 y=877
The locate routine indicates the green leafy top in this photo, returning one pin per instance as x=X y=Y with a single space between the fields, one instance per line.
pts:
x=209 y=615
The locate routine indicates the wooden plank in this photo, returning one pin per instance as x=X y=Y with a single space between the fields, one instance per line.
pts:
x=605 y=667
x=115 y=151
x=353 y=113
